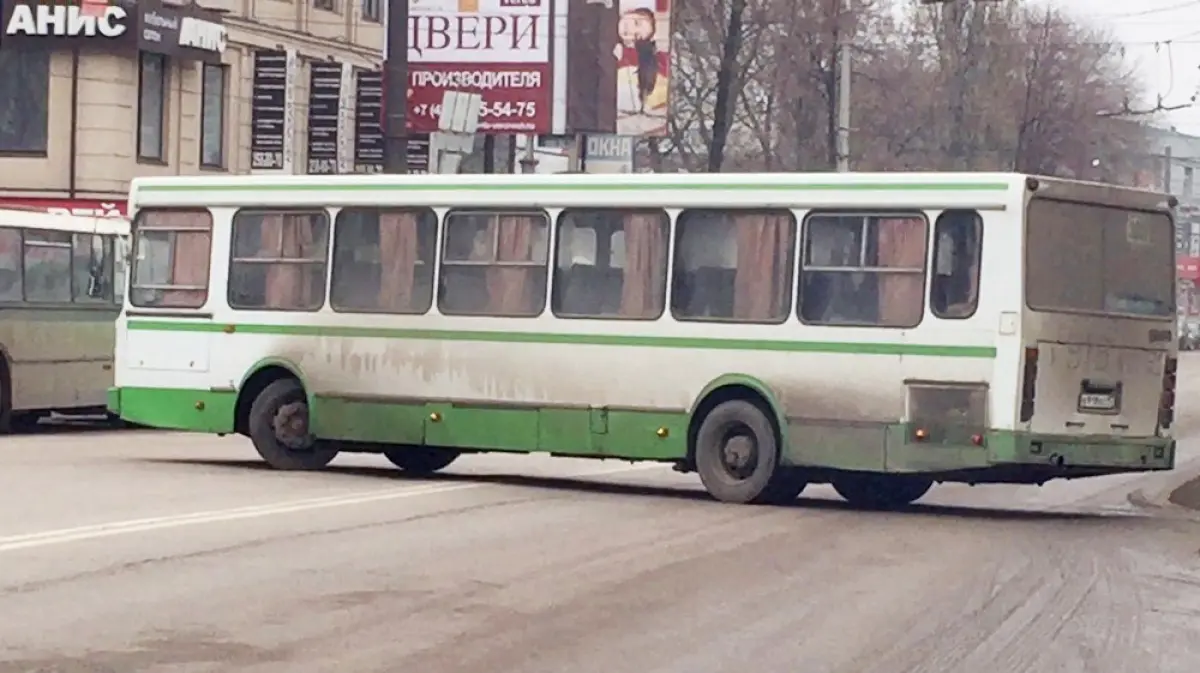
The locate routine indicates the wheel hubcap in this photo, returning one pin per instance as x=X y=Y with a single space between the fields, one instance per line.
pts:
x=739 y=453
x=291 y=426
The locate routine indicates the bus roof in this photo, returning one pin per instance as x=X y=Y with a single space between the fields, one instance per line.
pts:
x=869 y=190
x=38 y=219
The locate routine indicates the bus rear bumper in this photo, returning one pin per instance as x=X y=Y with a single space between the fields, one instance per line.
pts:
x=1134 y=454
x=114 y=401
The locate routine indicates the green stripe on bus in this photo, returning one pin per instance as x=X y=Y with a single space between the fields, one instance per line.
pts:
x=552 y=186
x=862 y=348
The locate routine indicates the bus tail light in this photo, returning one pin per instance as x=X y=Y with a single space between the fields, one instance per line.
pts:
x=1029 y=384
x=1166 y=404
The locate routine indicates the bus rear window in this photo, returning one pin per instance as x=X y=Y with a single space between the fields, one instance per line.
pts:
x=171 y=258
x=1087 y=258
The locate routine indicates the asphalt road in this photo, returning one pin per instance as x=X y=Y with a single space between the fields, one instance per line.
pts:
x=131 y=552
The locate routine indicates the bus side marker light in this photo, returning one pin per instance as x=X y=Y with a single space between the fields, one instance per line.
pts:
x=199 y=405
x=662 y=433
x=921 y=434
x=435 y=417
x=977 y=440
x=228 y=329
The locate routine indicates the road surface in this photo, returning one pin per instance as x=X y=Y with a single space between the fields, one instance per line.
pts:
x=135 y=551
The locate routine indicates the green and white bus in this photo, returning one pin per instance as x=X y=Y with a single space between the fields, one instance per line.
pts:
x=61 y=287
x=880 y=332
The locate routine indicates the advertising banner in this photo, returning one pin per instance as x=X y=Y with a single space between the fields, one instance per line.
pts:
x=368 y=112
x=643 y=62
x=499 y=49
x=324 y=110
x=271 y=111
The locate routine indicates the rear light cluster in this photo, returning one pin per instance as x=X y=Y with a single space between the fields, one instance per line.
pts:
x=1166 y=404
x=1029 y=384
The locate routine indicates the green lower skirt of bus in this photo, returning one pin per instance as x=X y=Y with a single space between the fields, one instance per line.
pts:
x=633 y=434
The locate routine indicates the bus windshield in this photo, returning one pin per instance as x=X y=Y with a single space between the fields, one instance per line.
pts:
x=1089 y=258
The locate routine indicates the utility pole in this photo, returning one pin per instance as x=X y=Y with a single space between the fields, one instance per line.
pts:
x=843 y=55
x=843 y=88
x=395 y=87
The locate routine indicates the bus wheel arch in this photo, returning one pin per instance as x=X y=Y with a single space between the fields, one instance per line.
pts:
x=747 y=403
x=278 y=425
x=264 y=374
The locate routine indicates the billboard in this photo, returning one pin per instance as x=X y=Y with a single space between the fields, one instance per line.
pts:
x=643 y=63
x=499 y=49
x=543 y=66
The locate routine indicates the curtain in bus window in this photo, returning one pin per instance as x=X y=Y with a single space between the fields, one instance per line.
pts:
x=762 y=283
x=10 y=265
x=510 y=288
x=901 y=246
x=290 y=237
x=644 y=260
x=189 y=257
x=398 y=253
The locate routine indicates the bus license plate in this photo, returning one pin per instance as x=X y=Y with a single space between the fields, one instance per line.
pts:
x=1097 y=402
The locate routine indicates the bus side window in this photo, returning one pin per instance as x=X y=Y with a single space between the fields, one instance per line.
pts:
x=278 y=260
x=383 y=260
x=863 y=269
x=592 y=278
x=10 y=265
x=494 y=263
x=47 y=266
x=957 y=252
x=91 y=268
x=733 y=265
x=172 y=249
x=120 y=247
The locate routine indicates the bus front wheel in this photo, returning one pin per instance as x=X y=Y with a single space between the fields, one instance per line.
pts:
x=420 y=460
x=881 y=491
x=737 y=456
x=280 y=432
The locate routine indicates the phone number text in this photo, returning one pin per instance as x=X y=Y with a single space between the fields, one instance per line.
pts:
x=487 y=110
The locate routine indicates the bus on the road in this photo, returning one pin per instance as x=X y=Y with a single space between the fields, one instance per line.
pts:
x=61 y=289
x=879 y=332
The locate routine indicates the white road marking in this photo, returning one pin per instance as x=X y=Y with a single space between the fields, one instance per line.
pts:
x=114 y=528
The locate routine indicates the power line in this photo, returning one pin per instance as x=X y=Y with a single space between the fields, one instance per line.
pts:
x=1156 y=10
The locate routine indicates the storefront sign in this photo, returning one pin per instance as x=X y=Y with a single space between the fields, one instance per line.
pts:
x=185 y=32
x=81 y=207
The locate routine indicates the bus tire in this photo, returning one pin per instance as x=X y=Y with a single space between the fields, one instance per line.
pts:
x=881 y=491
x=420 y=460
x=279 y=429
x=737 y=456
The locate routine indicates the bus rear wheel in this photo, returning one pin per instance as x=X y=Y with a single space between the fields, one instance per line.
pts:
x=280 y=432
x=881 y=491
x=420 y=460
x=737 y=457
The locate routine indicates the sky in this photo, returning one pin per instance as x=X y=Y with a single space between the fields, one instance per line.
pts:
x=1163 y=38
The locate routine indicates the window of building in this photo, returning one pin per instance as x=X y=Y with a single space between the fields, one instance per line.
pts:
x=24 y=100
x=327 y=5
x=611 y=263
x=383 y=260
x=279 y=260
x=1189 y=179
x=863 y=269
x=172 y=250
x=733 y=265
x=11 y=271
x=47 y=266
x=152 y=106
x=91 y=268
x=212 y=115
x=957 y=255
x=494 y=263
x=372 y=10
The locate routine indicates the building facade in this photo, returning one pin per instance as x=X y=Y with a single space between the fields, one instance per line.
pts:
x=94 y=95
